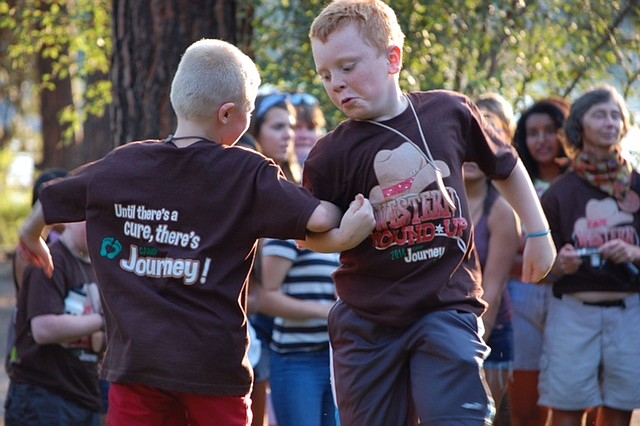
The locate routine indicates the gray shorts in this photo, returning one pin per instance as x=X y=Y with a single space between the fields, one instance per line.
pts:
x=431 y=370
x=530 y=305
x=591 y=355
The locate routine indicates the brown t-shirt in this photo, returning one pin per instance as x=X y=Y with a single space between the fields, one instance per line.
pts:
x=172 y=235
x=71 y=370
x=586 y=217
x=420 y=257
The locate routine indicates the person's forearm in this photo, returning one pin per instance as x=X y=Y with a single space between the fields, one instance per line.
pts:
x=518 y=190
x=333 y=241
x=34 y=224
x=278 y=304
x=490 y=315
x=64 y=328
x=539 y=251
x=31 y=246
x=355 y=226
x=493 y=290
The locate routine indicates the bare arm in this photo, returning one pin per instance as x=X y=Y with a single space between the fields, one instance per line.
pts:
x=255 y=294
x=539 y=252
x=64 y=328
x=356 y=225
x=325 y=217
x=275 y=303
x=32 y=247
x=504 y=240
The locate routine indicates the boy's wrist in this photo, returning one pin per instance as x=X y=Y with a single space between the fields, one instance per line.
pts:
x=538 y=234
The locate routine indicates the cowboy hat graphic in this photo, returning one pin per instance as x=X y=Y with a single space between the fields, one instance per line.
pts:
x=403 y=171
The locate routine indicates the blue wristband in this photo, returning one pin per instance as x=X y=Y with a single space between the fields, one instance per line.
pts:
x=539 y=234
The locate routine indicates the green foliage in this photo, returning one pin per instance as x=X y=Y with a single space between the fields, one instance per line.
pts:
x=282 y=47
x=75 y=36
x=522 y=49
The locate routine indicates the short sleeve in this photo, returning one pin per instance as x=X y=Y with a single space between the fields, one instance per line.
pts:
x=286 y=249
x=65 y=200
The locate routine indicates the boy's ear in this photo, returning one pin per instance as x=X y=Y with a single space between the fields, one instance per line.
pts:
x=394 y=56
x=225 y=111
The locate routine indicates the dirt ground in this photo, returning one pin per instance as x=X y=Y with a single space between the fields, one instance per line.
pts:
x=7 y=301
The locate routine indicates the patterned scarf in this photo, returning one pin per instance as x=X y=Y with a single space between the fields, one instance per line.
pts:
x=612 y=175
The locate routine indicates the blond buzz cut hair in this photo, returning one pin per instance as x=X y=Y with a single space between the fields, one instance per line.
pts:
x=211 y=73
x=376 y=21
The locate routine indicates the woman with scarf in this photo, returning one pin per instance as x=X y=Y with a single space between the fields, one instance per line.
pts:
x=591 y=355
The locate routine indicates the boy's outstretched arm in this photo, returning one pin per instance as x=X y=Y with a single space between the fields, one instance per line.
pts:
x=356 y=225
x=539 y=250
x=32 y=247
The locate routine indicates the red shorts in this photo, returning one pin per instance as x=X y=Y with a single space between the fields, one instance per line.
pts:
x=138 y=405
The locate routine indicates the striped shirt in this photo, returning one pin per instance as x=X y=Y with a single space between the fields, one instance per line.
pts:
x=310 y=278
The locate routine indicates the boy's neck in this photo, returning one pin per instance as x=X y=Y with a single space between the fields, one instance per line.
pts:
x=185 y=141
x=189 y=133
x=402 y=104
x=398 y=107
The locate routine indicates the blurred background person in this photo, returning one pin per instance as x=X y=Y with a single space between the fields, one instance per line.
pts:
x=52 y=233
x=538 y=141
x=310 y=123
x=590 y=352
x=272 y=127
x=271 y=132
x=497 y=237
x=59 y=338
x=298 y=290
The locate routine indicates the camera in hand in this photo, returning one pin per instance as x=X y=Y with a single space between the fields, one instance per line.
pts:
x=592 y=254
x=628 y=270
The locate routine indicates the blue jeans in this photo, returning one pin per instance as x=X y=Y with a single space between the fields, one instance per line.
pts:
x=301 y=389
x=30 y=405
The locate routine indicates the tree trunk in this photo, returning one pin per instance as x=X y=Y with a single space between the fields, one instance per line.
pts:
x=149 y=39
x=55 y=153
x=97 y=135
x=92 y=143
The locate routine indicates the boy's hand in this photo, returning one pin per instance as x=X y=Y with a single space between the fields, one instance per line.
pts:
x=357 y=222
x=356 y=225
x=37 y=253
x=539 y=255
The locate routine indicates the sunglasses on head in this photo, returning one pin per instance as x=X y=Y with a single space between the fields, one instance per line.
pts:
x=269 y=102
x=303 y=98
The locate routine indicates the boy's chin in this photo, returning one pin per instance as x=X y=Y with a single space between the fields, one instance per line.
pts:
x=356 y=115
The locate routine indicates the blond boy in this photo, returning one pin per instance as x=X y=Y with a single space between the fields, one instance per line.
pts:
x=172 y=227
